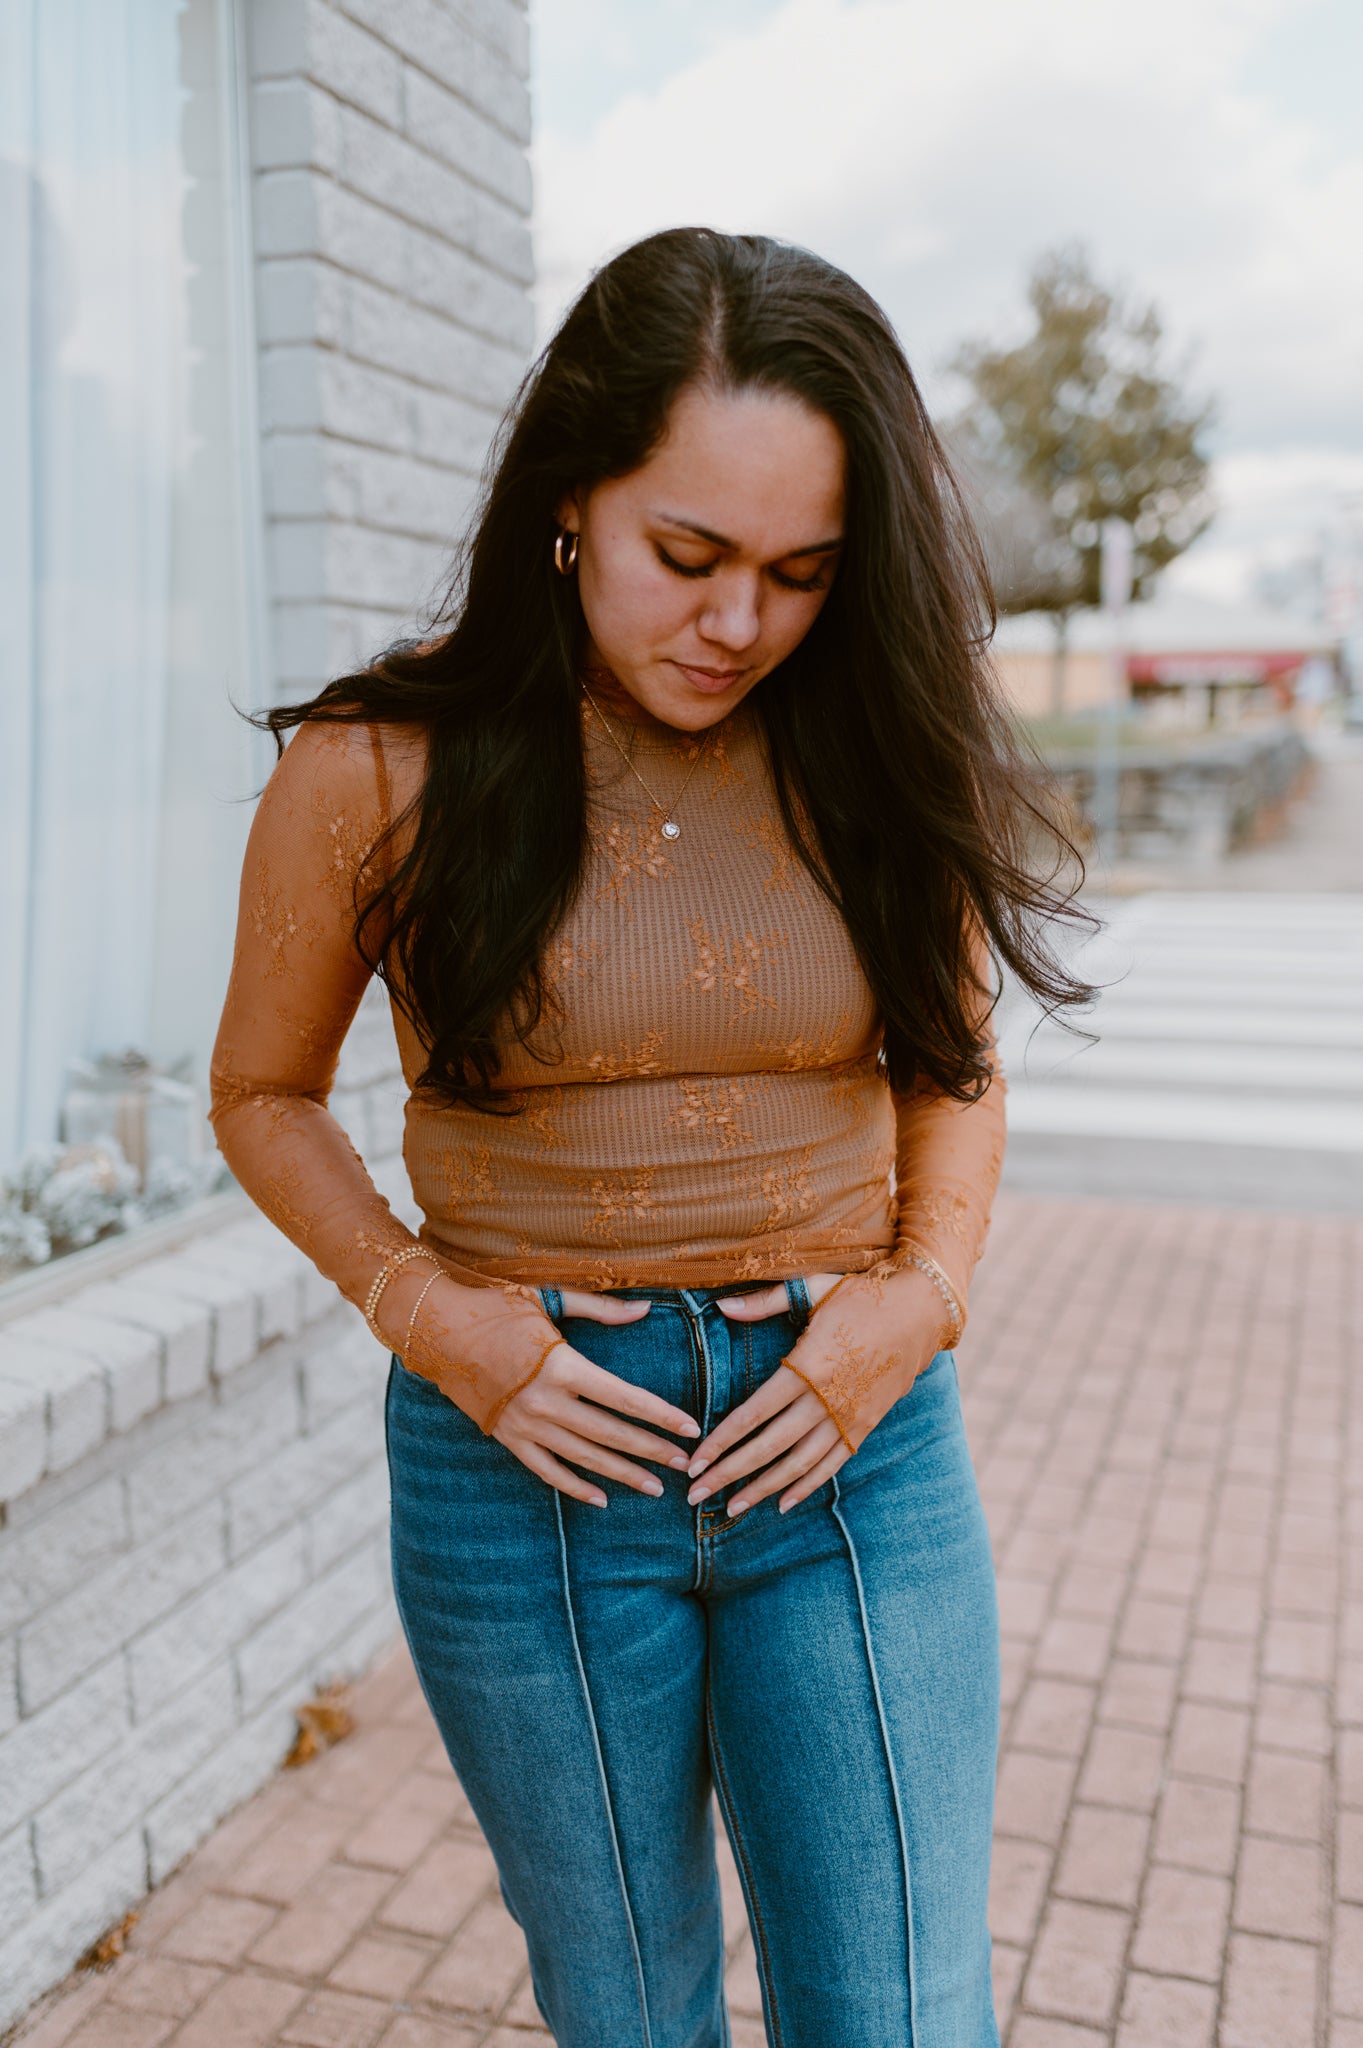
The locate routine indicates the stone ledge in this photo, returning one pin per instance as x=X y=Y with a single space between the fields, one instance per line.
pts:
x=88 y=1361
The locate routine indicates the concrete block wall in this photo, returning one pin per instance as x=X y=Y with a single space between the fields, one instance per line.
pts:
x=193 y=1538
x=392 y=197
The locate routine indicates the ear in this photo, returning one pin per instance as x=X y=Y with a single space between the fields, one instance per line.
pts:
x=569 y=513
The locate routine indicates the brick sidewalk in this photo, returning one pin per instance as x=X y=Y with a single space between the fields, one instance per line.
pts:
x=1160 y=1406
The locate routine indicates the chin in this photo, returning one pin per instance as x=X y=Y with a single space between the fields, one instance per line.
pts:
x=685 y=704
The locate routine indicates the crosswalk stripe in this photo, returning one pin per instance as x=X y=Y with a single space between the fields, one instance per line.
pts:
x=1232 y=1020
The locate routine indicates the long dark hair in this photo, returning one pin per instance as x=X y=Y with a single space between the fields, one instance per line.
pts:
x=897 y=769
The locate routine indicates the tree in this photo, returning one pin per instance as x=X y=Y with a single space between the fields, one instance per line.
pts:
x=1079 y=423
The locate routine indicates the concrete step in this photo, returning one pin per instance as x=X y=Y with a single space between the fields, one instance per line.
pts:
x=1211 y=1024
x=1185 y=1115
x=1227 y=1053
x=1219 y=1069
x=1271 y=965
x=1229 y=909
x=1163 y=1170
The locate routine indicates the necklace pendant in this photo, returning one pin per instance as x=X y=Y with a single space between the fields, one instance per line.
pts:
x=671 y=829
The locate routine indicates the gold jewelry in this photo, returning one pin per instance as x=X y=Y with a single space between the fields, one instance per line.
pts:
x=670 y=828
x=565 y=568
x=385 y=1274
x=914 y=1255
x=416 y=1306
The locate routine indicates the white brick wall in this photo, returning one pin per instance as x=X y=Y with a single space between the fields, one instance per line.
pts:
x=392 y=197
x=170 y=1597
x=194 y=1537
x=193 y=1505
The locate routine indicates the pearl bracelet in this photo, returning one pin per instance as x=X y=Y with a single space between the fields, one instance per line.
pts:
x=915 y=1257
x=416 y=1311
x=384 y=1275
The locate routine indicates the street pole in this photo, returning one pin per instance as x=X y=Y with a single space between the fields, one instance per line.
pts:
x=1118 y=552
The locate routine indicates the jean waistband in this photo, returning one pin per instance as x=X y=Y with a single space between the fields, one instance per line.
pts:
x=689 y=1293
x=684 y=1297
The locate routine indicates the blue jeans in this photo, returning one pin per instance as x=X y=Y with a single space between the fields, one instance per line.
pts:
x=831 y=1673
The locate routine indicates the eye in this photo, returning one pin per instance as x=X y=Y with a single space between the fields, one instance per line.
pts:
x=818 y=581
x=681 y=568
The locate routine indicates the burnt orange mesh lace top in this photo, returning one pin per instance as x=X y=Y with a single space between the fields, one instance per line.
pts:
x=706 y=1108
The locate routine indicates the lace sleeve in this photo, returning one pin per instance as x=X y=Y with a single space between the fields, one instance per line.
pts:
x=948 y=1158
x=296 y=981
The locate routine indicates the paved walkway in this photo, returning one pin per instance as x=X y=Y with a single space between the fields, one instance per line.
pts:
x=1320 y=845
x=1161 y=1405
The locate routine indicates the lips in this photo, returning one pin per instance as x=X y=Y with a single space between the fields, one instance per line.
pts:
x=713 y=681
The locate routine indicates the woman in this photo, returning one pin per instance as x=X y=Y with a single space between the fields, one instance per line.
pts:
x=686 y=852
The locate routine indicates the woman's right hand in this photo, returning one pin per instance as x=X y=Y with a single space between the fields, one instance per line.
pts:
x=576 y=1413
x=470 y=1342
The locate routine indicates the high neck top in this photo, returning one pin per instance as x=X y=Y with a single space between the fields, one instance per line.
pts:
x=705 y=1105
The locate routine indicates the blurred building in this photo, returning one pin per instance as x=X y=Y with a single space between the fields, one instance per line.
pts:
x=1189 y=661
x=265 y=296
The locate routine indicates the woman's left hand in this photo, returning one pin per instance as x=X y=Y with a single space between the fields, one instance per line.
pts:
x=864 y=1353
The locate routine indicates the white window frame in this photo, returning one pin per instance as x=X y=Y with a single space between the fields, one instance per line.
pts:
x=252 y=679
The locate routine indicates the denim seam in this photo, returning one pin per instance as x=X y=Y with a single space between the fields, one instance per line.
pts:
x=744 y=1866
x=705 y=1389
x=891 y=1772
x=711 y=1521
x=647 y=2033
x=698 y=1387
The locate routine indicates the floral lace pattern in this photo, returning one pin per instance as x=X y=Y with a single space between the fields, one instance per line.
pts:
x=629 y=852
x=854 y=1371
x=731 y=966
x=713 y=1108
x=786 y=1192
x=765 y=836
x=643 y=1058
x=620 y=1201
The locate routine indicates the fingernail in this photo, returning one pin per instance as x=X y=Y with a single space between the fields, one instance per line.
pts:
x=653 y=1486
x=688 y=1428
x=739 y=1507
x=729 y=1301
x=679 y=1464
x=697 y=1495
x=697 y=1466
x=597 y=1500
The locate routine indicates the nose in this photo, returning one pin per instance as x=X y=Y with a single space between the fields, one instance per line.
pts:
x=731 y=619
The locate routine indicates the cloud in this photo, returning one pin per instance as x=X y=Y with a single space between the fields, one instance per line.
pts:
x=933 y=152
x=1280 y=506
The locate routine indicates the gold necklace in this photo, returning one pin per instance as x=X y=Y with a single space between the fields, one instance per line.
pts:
x=670 y=828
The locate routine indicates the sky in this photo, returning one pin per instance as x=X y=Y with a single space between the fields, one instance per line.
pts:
x=1208 y=154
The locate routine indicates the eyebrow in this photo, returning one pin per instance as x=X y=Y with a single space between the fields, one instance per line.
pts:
x=822 y=547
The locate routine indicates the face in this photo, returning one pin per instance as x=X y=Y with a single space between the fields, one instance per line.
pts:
x=704 y=568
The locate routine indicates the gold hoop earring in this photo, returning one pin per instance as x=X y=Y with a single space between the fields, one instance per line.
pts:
x=565 y=568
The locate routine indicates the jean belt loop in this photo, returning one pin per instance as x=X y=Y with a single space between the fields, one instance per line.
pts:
x=797 y=1294
x=552 y=1302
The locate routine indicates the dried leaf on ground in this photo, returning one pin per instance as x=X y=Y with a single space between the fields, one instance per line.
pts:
x=323 y=1720
x=110 y=1946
